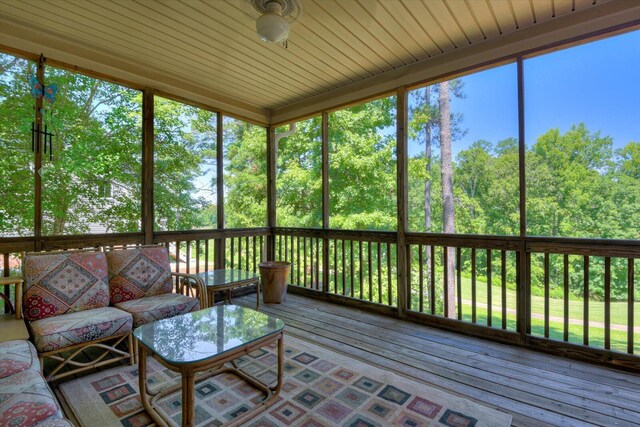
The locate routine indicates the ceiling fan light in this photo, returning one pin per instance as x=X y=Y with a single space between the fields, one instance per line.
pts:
x=272 y=28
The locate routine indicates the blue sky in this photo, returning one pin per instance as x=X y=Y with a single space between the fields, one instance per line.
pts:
x=597 y=83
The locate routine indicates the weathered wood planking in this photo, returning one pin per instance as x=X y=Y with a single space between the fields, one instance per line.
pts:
x=537 y=389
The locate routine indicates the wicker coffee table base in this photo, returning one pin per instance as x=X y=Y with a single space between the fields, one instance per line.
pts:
x=214 y=366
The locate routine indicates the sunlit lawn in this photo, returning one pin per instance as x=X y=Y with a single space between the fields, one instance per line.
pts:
x=556 y=306
x=556 y=309
x=596 y=335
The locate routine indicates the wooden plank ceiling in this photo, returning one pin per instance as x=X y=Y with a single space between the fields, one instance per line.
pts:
x=213 y=43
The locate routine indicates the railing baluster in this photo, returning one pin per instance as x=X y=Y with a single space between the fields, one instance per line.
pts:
x=390 y=288
x=319 y=251
x=6 y=273
x=232 y=251
x=206 y=255
x=630 y=304
x=286 y=246
x=369 y=270
x=335 y=266
x=607 y=303
x=420 y=280
x=445 y=280
x=280 y=248
x=360 y=268
x=178 y=257
x=523 y=308
x=379 y=276
x=503 y=280
x=585 y=335
x=344 y=269
x=298 y=260
x=304 y=259
x=246 y=253
x=198 y=256
x=188 y=257
x=546 y=295
x=489 y=290
x=311 y=261
x=293 y=259
x=473 y=286
x=352 y=277
x=459 y=280
x=565 y=292
x=255 y=238
x=239 y=253
x=432 y=285
x=263 y=251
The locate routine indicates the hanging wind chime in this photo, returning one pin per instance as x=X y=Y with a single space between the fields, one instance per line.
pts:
x=38 y=132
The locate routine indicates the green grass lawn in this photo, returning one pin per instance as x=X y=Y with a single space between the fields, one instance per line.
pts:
x=556 y=309
x=556 y=306
x=596 y=335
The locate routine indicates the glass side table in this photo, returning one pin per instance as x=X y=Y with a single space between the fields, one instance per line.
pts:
x=228 y=279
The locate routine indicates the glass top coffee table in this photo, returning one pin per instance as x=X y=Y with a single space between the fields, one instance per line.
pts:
x=228 y=279
x=207 y=340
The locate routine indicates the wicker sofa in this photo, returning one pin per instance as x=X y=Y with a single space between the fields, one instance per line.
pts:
x=77 y=300
x=26 y=399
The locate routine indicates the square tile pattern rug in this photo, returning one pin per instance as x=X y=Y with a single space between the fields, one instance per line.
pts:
x=321 y=388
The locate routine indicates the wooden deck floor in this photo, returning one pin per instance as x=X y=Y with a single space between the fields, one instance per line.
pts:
x=537 y=389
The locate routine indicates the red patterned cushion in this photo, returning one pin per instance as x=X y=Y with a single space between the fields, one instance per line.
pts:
x=64 y=282
x=139 y=272
x=26 y=400
x=150 y=309
x=77 y=328
x=17 y=356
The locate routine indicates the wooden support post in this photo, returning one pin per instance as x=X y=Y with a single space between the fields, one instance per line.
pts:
x=271 y=191
x=147 y=165
x=37 y=211
x=402 y=205
x=523 y=286
x=325 y=201
x=219 y=244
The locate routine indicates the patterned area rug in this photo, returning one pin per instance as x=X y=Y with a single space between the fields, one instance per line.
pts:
x=321 y=388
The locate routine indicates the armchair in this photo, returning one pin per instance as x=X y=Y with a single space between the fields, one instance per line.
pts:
x=141 y=283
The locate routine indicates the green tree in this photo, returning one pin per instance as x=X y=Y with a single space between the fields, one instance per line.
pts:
x=299 y=176
x=245 y=178
x=362 y=166
x=16 y=159
x=96 y=144
x=184 y=166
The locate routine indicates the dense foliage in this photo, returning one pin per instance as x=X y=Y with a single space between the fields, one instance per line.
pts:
x=578 y=185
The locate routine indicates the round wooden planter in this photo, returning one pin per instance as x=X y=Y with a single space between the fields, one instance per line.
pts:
x=274 y=275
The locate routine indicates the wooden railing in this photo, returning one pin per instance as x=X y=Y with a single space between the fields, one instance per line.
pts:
x=456 y=292
x=350 y=264
x=205 y=250
x=577 y=297
x=606 y=273
x=486 y=290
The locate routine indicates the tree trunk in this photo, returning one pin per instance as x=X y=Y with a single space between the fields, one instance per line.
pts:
x=448 y=209
x=427 y=183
